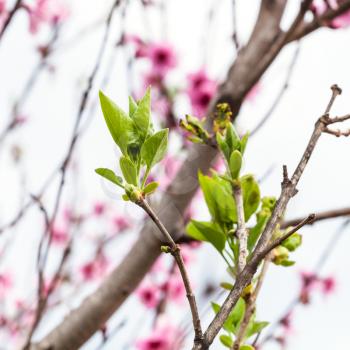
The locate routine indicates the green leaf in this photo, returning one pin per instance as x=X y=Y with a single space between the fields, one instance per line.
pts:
x=226 y=285
x=216 y=307
x=142 y=115
x=251 y=195
x=110 y=175
x=235 y=163
x=150 y=188
x=225 y=149
x=226 y=340
x=128 y=169
x=236 y=316
x=255 y=327
x=292 y=242
x=119 y=124
x=244 y=141
x=246 y=347
x=232 y=138
x=154 y=148
x=132 y=106
x=218 y=196
x=207 y=231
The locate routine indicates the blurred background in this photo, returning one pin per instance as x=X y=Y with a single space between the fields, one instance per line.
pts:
x=46 y=59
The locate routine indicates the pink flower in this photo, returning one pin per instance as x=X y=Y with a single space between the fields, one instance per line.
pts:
x=171 y=167
x=175 y=289
x=328 y=285
x=99 y=208
x=201 y=89
x=2 y=6
x=162 y=57
x=161 y=338
x=121 y=223
x=46 y=11
x=149 y=295
x=5 y=283
x=59 y=235
x=95 y=268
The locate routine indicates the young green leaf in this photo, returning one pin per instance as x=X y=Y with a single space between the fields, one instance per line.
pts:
x=216 y=307
x=235 y=163
x=246 y=347
x=142 y=115
x=236 y=316
x=207 y=231
x=232 y=138
x=128 y=169
x=251 y=195
x=225 y=149
x=150 y=188
x=109 y=175
x=255 y=327
x=132 y=106
x=292 y=242
x=226 y=340
x=244 y=141
x=119 y=124
x=154 y=148
x=219 y=199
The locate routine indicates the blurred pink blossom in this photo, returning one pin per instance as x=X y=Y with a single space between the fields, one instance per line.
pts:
x=328 y=285
x=161 y=338
x=2 y=6
x=149 y=295
x=254 y=92
x=201 y=89
x=121 y=223
x=60 y=235
x=99 y=208
x=5 y=283
x=46 y=11
x=95 y=269
x=175 y=289
x=162 y=57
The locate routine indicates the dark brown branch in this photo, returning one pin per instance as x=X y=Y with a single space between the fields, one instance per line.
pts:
x=176 y=253
x=324 y=215
x=9 y=18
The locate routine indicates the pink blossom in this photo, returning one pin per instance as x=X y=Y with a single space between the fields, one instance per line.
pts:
x=5 y=283
x=141 y=47
x=99 y=208
x=162 y=57
x=121 y=223
x=2 y=6
x=149 y=295
x=201 y=89
x=175 y=289
x=59 y=235
x=286 y=322
x=161 y=338
x=171 y=167
x=153 y=79
x=46 y=11
x=95 y=268
x=328 y=285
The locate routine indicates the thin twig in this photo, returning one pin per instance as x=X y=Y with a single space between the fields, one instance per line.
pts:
x=176 y=253
x=8 y=20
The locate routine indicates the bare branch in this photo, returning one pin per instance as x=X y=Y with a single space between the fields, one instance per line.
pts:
x=176 y=253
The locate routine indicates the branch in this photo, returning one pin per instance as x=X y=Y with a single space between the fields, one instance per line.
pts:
x=241 y=228
x=16 y=7
x=306 y=28
x=262 y=248
x=324 y=215
x=176 y=253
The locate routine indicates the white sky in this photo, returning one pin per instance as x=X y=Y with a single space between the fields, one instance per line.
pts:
x=324 y=60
